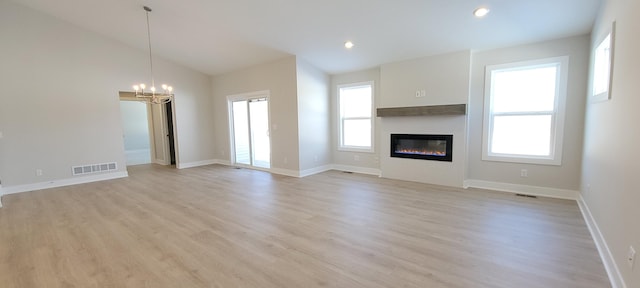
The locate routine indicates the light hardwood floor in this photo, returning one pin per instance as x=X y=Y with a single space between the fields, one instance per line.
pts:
x=216 y=226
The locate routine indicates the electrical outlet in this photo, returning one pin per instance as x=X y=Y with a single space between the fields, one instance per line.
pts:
x=631 y=257
x=524 y=173
x=38 y=172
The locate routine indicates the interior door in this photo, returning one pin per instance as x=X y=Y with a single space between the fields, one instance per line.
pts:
x=159 y=124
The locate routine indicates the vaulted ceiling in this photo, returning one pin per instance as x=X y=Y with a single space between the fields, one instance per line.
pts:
x=218 y=36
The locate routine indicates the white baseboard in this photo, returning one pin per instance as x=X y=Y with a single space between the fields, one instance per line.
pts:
x=357 y=169
x=196 y=164
x=289 y=172
x=315 y=170
x=63 y=182
x=324 y=168
x=222 y=162
x=615 y=277
x=281 y=171
x=523 y=189
x=285 y=172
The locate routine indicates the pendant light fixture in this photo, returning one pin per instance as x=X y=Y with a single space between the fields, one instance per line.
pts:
x=152 y=95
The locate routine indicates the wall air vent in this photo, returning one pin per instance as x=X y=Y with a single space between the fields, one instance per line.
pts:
x=94 y=168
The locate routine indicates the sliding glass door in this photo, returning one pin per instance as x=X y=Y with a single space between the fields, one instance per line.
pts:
x=250 y=131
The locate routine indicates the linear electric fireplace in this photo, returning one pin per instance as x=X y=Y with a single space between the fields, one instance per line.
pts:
x=425 y=147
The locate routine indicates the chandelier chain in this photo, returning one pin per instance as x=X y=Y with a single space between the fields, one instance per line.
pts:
x=153 y=84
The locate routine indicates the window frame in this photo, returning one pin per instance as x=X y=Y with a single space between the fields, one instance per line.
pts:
x=341 y=146
x=557 y=115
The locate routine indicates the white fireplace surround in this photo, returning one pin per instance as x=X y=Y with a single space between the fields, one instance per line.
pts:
x=433 y=172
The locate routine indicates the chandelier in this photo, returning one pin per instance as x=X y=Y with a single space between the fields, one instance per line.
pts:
x=152 y=95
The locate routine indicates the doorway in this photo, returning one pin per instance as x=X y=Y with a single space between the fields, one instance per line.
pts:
x=161 y=123
x=150 y=121
x=251 y=144
x=137 y=145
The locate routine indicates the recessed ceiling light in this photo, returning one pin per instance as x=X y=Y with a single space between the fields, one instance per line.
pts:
x=481 y=12
x=348 y=44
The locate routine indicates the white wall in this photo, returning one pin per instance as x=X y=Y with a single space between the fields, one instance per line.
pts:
x=355 y=161
x=445 y=78
x=611 y=159
x=565 y=176
x=279 y=77
x=60 y=99
x=314 y=131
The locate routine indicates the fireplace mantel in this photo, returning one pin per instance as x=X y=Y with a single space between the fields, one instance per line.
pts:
x=431 y=110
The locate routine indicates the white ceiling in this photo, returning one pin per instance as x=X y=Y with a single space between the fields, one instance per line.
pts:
x=218 y=36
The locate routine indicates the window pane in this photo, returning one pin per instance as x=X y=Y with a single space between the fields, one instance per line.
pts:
x=357 y=132
x=355 y=101
x=531 y=89
x=601 y=66
x=522 y=135
x=241 y=132
x=259 y=123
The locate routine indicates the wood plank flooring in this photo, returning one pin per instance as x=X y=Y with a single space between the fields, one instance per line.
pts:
x=216 y=226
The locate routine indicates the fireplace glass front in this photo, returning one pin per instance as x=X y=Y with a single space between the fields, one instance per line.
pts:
x=421 y=146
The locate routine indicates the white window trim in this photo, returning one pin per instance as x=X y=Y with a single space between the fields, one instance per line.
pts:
x=339 y=110
x=557 y=129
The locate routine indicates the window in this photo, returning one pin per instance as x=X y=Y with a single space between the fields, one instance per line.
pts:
x=524 y=111
x=602 y=56
x=601 y=68
x=356 y=124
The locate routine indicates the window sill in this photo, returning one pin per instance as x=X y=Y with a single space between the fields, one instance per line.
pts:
x=524 y=160
x=354 y=149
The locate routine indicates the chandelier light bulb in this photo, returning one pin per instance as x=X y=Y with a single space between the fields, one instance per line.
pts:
x=164 y=86
x=348 y=44
x=153 y=89
x=136 y=88
x=170 y=88
x=481 y=12
x=142 y=86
